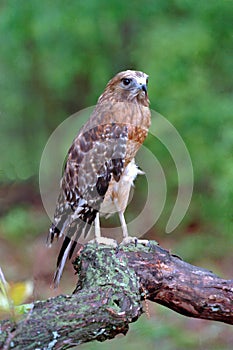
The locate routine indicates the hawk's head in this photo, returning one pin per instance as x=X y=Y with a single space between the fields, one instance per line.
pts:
x=128 y=85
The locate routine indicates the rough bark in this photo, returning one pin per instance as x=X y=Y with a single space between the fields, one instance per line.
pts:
x=112 y=284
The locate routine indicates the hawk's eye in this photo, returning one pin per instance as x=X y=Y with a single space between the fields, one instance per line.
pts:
x=126 y=81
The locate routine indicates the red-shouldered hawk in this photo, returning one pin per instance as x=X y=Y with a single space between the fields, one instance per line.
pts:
x=100 y=167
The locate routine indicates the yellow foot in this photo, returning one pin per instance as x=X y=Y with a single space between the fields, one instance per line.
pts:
x=105 y=241
x=135 y=240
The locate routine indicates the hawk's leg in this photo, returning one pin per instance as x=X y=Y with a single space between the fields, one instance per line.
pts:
x=126 y=238
x=123 y=225
x=122 y=219
x=98 y=238
x=97 y=226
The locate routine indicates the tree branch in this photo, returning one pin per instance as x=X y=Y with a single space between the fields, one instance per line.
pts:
x=112 y=284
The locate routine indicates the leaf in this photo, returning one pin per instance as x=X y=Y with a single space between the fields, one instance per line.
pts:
x=13 y=294
x=20 y=291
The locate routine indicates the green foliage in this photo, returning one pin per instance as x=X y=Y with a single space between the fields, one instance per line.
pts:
x=56 y=58
x=12 y=295
x=21 y=222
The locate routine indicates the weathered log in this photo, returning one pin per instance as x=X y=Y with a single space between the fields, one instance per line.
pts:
x=112 y=283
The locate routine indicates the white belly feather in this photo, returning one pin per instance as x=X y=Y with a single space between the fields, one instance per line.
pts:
x=117 y=195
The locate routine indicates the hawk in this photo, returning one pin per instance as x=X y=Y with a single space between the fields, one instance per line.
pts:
x=100 y=167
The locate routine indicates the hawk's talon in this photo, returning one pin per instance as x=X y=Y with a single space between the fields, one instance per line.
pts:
x=144 y=242
x=105 y=241
x=135 y=240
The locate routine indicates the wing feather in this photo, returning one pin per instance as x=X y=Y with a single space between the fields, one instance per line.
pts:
x=87 y=174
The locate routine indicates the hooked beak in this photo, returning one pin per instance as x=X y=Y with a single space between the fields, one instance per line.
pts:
x=144 y=88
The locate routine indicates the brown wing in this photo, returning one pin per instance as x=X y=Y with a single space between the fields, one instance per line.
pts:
x=94 y=157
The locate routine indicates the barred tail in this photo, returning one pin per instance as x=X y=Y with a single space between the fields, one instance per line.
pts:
x=78 y=229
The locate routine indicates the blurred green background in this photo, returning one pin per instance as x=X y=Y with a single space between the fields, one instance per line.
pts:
x=56 y=58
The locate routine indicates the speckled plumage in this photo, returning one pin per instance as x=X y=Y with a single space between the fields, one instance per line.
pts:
x=100 y=166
